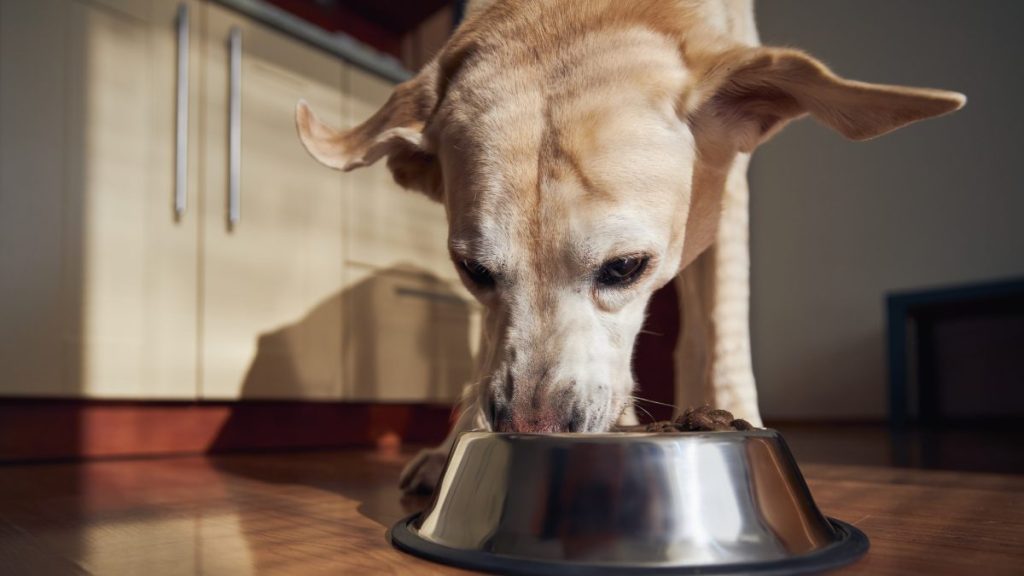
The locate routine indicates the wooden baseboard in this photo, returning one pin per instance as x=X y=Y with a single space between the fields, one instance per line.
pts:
x=45 y=429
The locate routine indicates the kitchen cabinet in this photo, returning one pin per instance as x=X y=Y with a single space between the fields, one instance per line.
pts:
x=388 y=227
x=163 y=235
x=412 y=329
x=263 y=274
x=31 y=197
x=410 y=337
x=98 y=271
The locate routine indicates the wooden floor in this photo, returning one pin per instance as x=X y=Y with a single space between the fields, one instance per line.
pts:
x=327 y=512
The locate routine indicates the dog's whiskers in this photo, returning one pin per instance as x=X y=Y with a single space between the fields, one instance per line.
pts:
x=649 y=415
x=639 y=399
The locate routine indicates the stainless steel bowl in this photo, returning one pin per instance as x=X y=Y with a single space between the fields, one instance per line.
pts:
x=692 y=503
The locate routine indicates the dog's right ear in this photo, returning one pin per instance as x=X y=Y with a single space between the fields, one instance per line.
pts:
x=395 y=131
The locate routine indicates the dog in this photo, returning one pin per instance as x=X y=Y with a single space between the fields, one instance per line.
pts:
x=588 y=152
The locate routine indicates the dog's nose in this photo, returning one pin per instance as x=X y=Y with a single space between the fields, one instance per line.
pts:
x=543 y=419
x=536 y=407
x=535 y=424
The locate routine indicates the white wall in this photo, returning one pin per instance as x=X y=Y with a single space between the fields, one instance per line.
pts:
x=836 y=225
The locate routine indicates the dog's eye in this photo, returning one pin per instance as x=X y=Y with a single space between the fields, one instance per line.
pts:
x=621 y=271
x=478 y=273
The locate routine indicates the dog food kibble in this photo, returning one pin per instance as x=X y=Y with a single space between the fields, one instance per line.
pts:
x=701 y=419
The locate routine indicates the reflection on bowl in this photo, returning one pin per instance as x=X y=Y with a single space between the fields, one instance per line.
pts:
x=706 y=502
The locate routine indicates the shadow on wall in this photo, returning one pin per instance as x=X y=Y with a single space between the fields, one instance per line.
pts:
x=400 y=335
x=394 y=347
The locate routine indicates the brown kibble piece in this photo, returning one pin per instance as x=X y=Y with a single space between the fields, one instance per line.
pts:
x=741 y=424
x=720 y=416
x=699 y=419
x=704 y=418
x=683 y=420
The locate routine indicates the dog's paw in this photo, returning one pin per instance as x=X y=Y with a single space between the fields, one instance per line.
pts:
x=422 y=474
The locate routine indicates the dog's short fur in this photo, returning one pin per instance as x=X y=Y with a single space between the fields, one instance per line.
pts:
x=562 y=135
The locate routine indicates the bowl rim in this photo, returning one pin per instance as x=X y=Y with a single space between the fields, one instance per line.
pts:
x=849 y=546
x=755 y=432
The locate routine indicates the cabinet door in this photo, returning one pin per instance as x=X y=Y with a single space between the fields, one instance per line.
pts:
x=410 y=337
x=32 y=208
x=271 y=304
x=388 y=226
x=127 y=272
x=413 y=327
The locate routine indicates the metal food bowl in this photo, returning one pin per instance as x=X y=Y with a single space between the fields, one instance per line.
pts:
x=689 y=503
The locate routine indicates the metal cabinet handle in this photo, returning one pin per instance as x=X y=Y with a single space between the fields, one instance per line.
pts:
x=235 y=129
x=181 y=117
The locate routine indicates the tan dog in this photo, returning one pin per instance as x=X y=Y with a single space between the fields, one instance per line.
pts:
x=587 y=152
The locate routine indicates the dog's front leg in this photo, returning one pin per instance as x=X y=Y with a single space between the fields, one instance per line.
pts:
x=424 y=471
x=713 y=361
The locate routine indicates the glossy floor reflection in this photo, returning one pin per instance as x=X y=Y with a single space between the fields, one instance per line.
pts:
x=327 y=512
x=302 y=513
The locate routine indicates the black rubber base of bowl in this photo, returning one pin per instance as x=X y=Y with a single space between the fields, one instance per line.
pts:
x=851 y=545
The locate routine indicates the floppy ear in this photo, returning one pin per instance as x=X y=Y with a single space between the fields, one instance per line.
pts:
x=395 y=131
x=749 y=94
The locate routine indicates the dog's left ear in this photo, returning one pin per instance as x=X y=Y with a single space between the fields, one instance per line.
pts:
x=395 y=132
x=748 y=94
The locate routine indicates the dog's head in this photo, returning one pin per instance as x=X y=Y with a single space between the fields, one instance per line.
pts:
x=581 y=160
